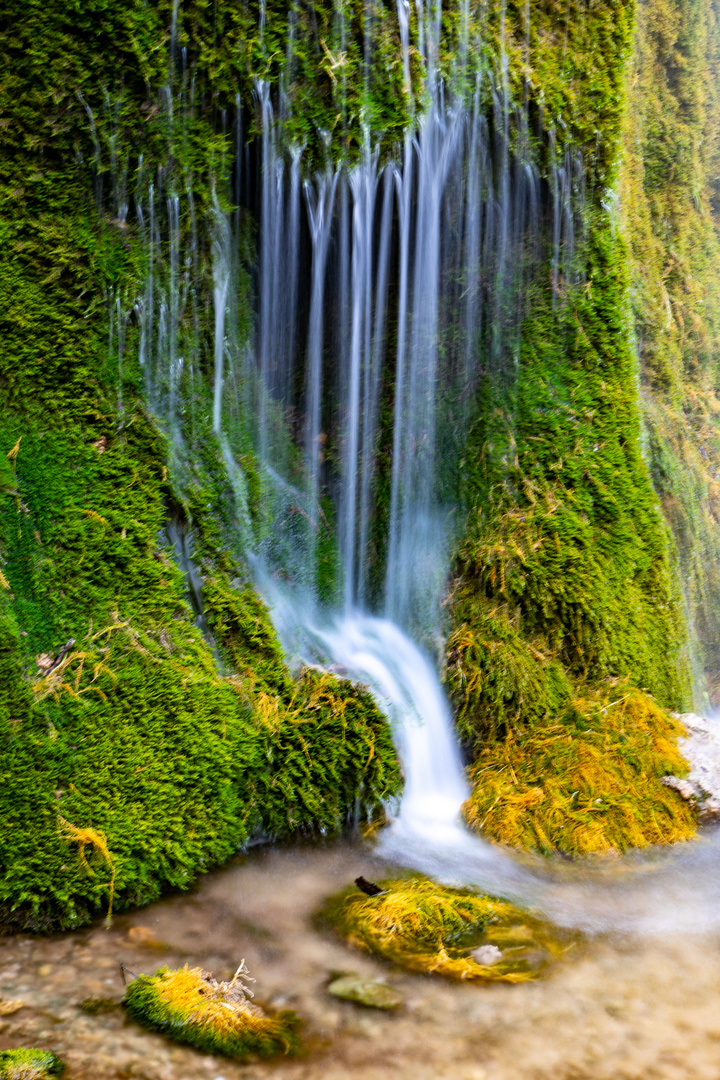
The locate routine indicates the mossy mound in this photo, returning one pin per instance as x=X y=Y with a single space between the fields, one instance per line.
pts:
x=137 y=762
x=29 y=1065
x=190 y=1006
x=423 y=926
x=588 y=784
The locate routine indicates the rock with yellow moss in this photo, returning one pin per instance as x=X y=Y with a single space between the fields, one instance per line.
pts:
x=24 y=1064
x=189 y=1005
x=590 y=781
x=423 y=926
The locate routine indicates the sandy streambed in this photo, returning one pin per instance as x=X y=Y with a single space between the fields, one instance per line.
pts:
x=615 y=1008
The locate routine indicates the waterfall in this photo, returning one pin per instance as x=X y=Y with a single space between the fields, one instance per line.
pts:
x=385 y=290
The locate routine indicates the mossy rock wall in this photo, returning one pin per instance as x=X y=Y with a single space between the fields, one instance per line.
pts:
x=669 y=209
x=567 y=571
x=173 y=754
x=144 y=758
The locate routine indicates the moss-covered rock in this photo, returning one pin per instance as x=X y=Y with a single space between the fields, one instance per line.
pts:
x=587 y=783
x=135 y=736
x=423 y=926
x=29 y=1065
x=669 y=208
x=190 y=1006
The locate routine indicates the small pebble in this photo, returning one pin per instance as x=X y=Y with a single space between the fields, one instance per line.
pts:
x=144 y=935
x=486 y=955
x=7 y=1008
x=364 y=991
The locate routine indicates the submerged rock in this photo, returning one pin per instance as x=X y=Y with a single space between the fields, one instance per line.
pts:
x=701 y=749
x=363 y=991
x=461 y=934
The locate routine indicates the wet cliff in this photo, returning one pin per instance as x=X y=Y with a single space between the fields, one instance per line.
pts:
x=151 y=393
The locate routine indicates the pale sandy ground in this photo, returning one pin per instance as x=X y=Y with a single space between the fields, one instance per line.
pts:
x=613 y=1010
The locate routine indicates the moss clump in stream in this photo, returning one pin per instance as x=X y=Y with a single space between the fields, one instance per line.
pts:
x=29 y=1065
x=190 y=1006
x=588 y=783
x=427 y=927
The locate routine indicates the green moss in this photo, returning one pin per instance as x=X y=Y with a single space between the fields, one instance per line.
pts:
x=135 y=734
x=190 y=1006
x=498 y=681
x=564 y=527
x=427 y=927
x=329 y=760
x=669 y=202
x=566 y=575
x=29 y=1065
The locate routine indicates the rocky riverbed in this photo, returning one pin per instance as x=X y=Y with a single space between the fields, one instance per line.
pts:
x=620 y=1008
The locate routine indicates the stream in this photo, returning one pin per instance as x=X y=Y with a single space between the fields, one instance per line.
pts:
x=618 y=1007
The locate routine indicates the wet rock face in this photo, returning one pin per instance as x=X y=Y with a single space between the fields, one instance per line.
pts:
x=701 y=748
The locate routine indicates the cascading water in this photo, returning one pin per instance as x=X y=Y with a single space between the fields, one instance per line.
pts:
x=374 y=283
x=446 y=217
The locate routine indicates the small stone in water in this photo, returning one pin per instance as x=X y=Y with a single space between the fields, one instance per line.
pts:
x=486 y=955
x=144 y=935
x=370 y=992
x=7 y=1008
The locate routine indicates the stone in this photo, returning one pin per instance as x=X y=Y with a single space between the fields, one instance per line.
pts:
x=486 y=955
x=701 y=750
x=144 y=935
x=7 y=1008
x=364 y=991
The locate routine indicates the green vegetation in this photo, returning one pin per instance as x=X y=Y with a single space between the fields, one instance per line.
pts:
x=427 y=927
x=134 y=737
x=669 y=205
x=564 y=576
x=190 y=1006
x=136 y=762
x=566 y=579
x=149 y=752
x=585 y=782
x=29 y=1065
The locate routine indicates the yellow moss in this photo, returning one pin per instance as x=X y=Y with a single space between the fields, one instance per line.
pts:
x=588 y=785
x=424 y=926
x=190 y=1005
x=96 y=840
x=12 y=454
x=67 y=675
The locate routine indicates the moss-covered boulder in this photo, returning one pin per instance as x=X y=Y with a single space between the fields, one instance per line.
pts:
x=422 y=926
x=589 y=783
x=29 y=1065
